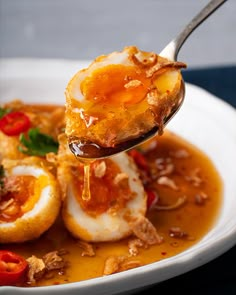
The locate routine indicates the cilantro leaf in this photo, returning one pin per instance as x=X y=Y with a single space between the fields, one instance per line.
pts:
x=3 y=112
x=37 y=143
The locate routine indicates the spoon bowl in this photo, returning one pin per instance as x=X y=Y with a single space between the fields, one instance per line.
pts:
x=91 y=150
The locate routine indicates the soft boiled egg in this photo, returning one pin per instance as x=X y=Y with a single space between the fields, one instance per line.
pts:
x=29 y=200
x=121 y=96
x=117 y=198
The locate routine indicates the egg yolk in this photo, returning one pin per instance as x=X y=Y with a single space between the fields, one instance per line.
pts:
x=115 y=85
x=105 y=192
x=21 y=188
x=24 y=193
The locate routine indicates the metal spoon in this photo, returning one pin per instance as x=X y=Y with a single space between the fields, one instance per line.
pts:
x=91 y=150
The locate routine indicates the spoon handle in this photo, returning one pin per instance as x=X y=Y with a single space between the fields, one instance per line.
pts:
x=172 y=49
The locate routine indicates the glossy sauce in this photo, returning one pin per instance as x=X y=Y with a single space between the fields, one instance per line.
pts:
x=86 y=194
x=119 y=99
x=105 y=194
x=99 y=96
x=193 y=217
x=98 y=88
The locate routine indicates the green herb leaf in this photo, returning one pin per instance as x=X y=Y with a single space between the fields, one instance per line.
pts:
x=37 y=143
x=4 y=112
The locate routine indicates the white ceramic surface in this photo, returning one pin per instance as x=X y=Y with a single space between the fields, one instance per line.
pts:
x=204 y=120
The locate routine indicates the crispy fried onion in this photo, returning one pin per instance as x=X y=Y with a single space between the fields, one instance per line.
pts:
x=114 y=264
x=145 y=231
x=38 y=267
x=168 y=182
x=87 y=248
x=164 y=64
x=134 y=245
x=100 y=169
x=36 y=270
x=194 y=177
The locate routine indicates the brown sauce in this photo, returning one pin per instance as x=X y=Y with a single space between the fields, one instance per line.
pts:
x=195 y=178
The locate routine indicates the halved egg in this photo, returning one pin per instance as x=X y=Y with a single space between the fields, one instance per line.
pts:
x=117 y=198
x=29 y=200
x=121 y=96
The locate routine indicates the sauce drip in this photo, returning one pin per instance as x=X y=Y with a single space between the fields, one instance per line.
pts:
x=106 y=193
x=86 y=195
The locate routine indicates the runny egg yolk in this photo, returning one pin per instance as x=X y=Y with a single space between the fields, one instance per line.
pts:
x=105 y=192
x=22 y=198
x=129 y=85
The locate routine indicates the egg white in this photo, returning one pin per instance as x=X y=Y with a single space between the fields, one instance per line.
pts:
x=43 y=214
x=106 y=226
x=113 y=58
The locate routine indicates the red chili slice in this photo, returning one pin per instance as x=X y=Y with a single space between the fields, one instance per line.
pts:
x=152 y=198
x=13 y=268
x=139 y=159
x=14 y=123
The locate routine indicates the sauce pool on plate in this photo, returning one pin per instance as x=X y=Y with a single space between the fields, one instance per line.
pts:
x=184 y=196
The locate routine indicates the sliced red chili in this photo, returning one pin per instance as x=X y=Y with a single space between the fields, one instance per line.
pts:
x=139 y=159
x=13 y=268
x=151 y=198
x=14 y=123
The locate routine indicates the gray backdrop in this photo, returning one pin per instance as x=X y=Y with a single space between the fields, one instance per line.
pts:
x=84 y=29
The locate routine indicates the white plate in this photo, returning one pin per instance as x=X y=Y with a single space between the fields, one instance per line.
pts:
x=203 y=120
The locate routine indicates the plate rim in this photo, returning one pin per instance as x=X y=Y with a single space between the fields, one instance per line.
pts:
x=141 y=275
